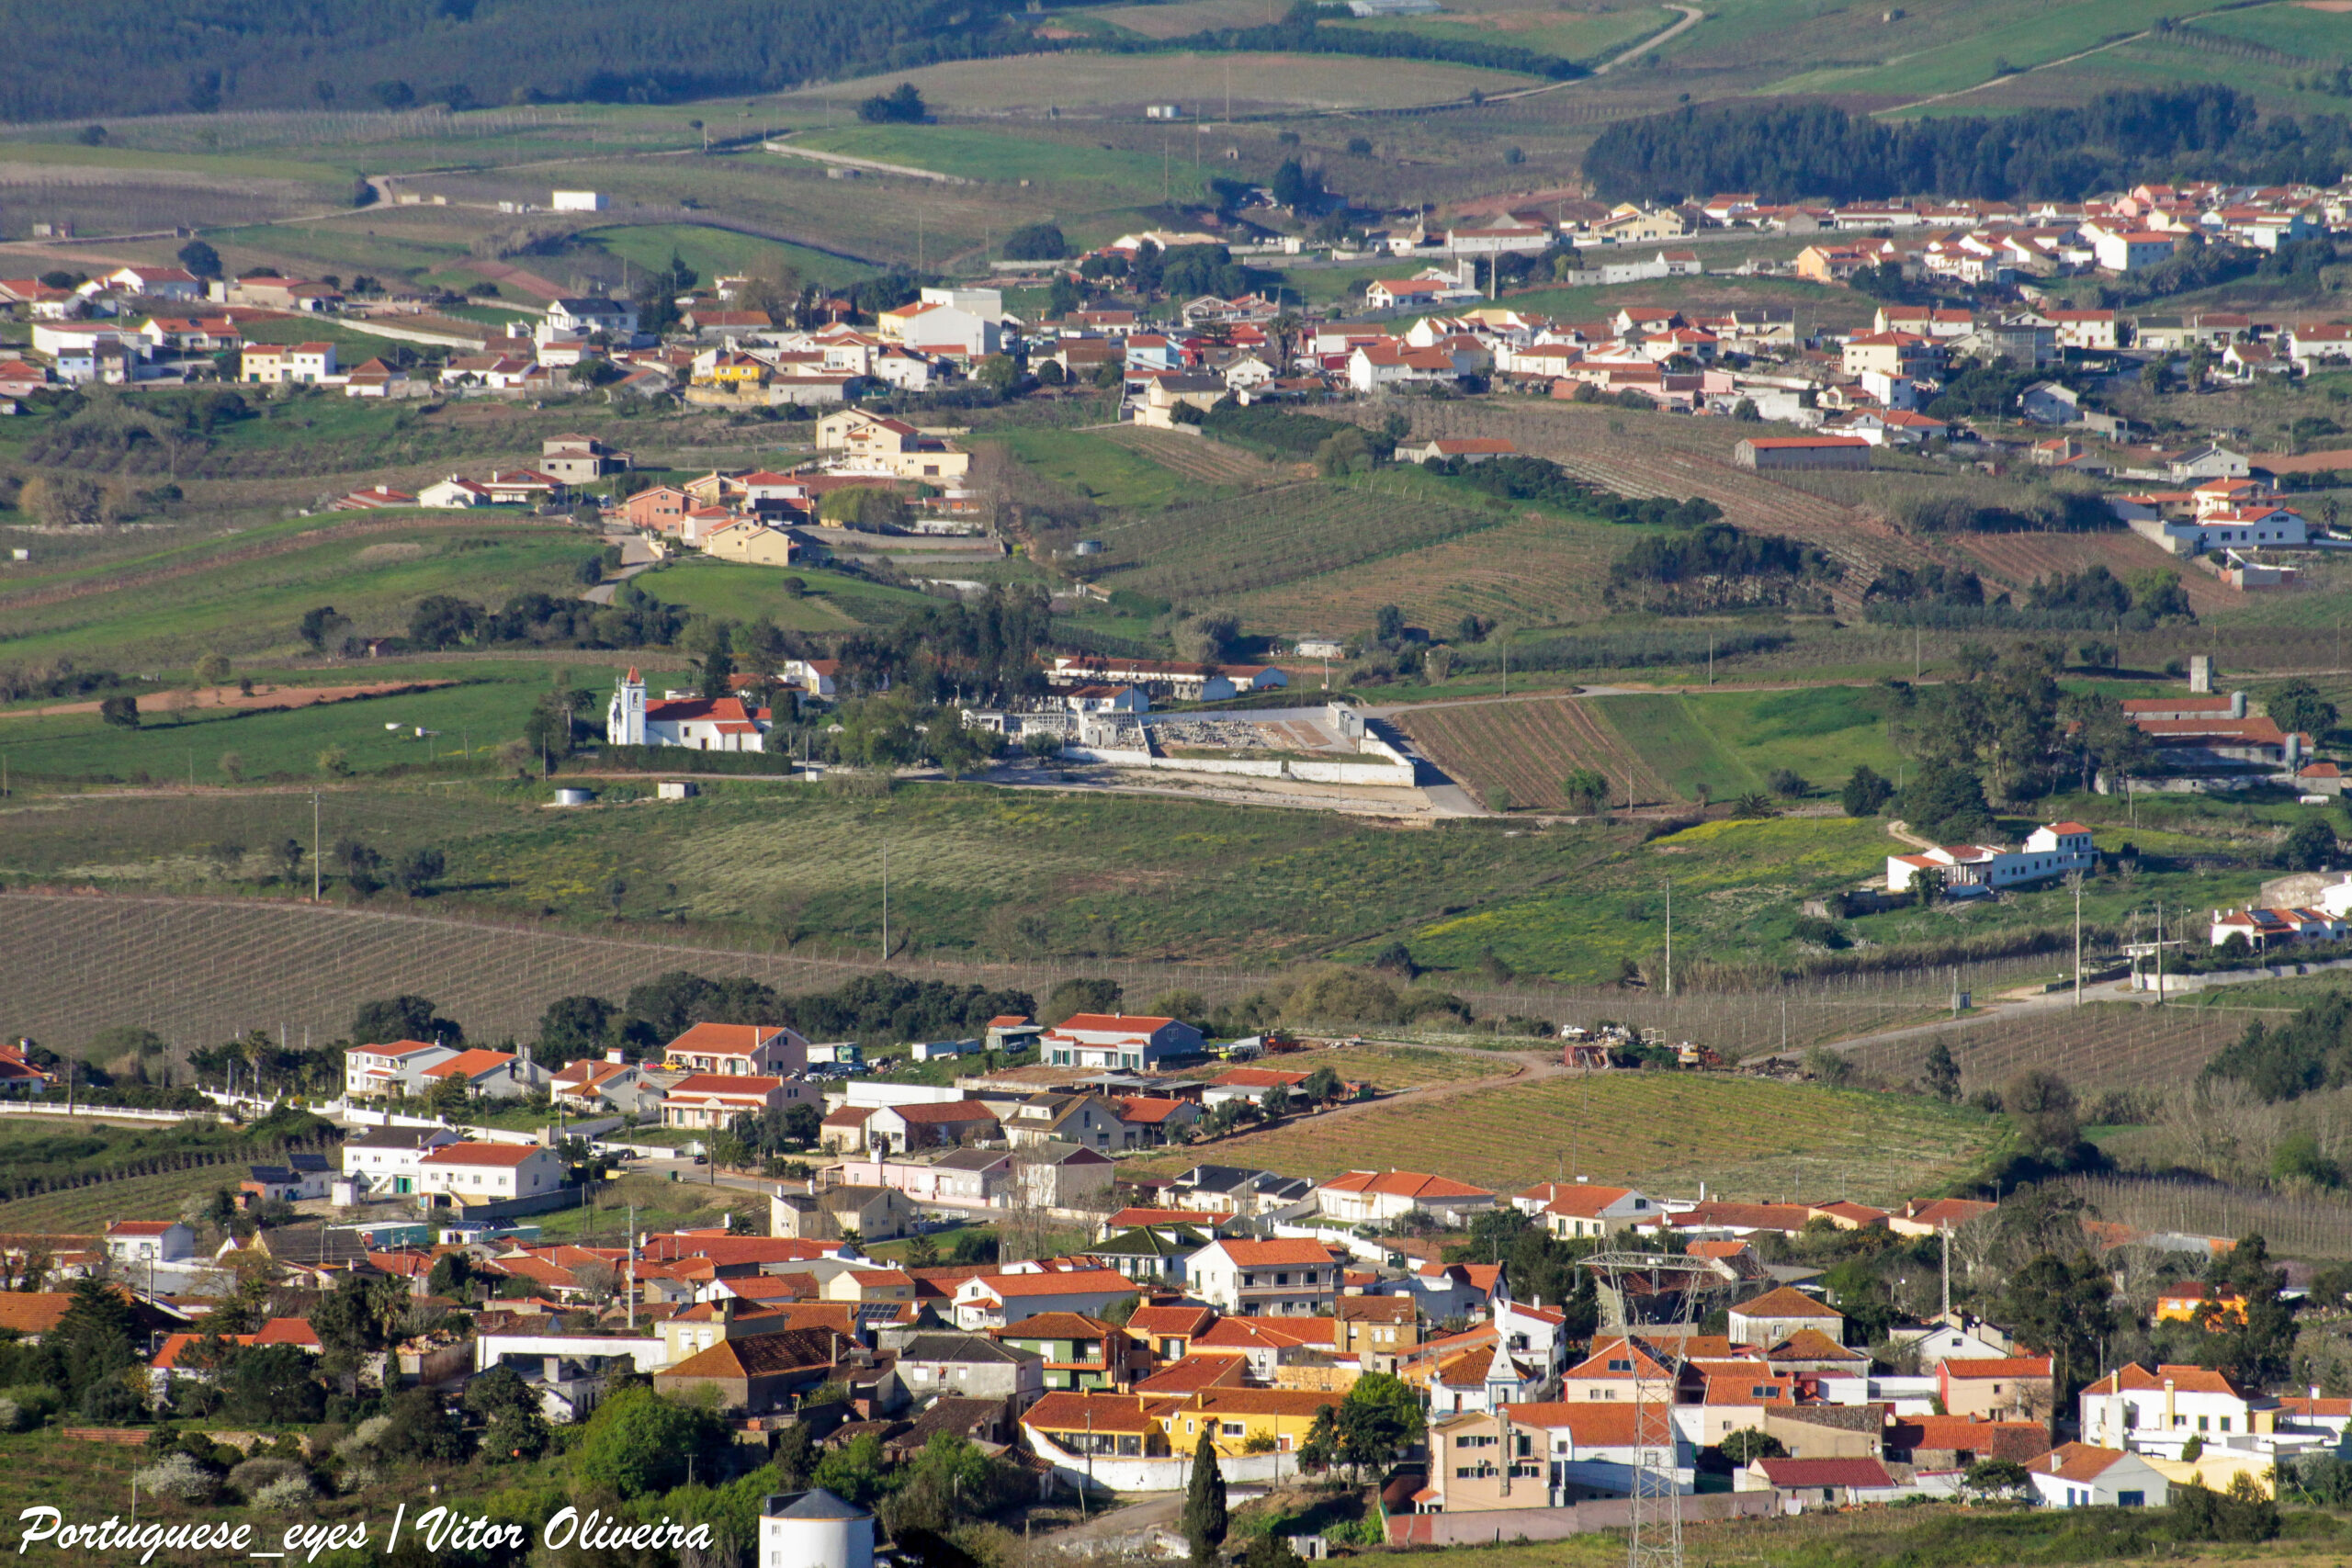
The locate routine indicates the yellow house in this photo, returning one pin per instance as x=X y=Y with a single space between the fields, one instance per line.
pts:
x=1276 y=1420
x=870 y=1285
x=754 y=544
x=736 y=370
x=2183 y=1302
x=2217 y=1469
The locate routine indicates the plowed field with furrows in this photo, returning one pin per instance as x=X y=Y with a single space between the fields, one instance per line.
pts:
x=1196 y=457
x=2017 y=558
x=1528 y=748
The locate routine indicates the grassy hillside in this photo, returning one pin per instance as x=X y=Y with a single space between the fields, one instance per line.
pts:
x=1757 y=1141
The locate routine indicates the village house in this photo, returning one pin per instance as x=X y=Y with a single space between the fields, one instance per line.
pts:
x=493 y=1074
x=149 y=1241
x=2083 y=1475
x=2051 y=850
x=1003 y=1301
x=1375 y=1197
x=399 y=1067
x=1252 y=1278
x=386 y=1159
x=746 y=1048
x=880 y=444
x=469 y=1173
x=1117 y=1042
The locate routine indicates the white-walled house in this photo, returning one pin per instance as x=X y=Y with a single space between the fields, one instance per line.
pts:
x=1000 y=1300
x=2081 y=1475
x=149 y=1241
x=1265 y=1278
x=385 y=1159
x=493 y=1075
x=2159 y=1412
x=470 y=1172
x=1372 y=1197
x=2051 y=850
x=399 y=1067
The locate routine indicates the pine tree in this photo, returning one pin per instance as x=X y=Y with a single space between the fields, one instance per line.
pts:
x=1204 y=1518
x=1942 y=1073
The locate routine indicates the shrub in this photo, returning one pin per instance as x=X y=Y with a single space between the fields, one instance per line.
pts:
x=181 y=1477
x=1788 y=781
x=286 y=1492
x=250 y=1477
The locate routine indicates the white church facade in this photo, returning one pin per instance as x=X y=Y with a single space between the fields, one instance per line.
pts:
x=699 y=724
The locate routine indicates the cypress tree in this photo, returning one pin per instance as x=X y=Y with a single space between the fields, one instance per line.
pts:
x=1204 y=1518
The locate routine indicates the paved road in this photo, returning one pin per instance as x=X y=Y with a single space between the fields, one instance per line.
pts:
x=636 y=555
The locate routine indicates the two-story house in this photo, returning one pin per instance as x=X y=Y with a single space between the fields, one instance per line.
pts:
x=1080 y=1352
x=476 y=1173
x=1376 y=1196
x=1273 y=1278
x=386 y=1159
x=493 y=1075
x=1000 y=1300
x=754 y=1050
x=2159 y=1412
x=395 y=1068
x=149 y=1241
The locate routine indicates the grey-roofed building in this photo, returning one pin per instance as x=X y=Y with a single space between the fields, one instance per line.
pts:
x=1151 y=1252
x=1241 y=1190
x=971 y=1366
x=1061 y=1176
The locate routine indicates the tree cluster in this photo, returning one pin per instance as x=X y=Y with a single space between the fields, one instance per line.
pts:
x=1785 y=151
x=876 y=1009
x=1716 y=566
x=1541 y=479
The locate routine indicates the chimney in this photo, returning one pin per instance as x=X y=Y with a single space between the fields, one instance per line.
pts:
x=2237 y=705
x=615 y=1055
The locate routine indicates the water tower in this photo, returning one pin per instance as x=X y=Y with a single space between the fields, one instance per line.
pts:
x=814 y=1529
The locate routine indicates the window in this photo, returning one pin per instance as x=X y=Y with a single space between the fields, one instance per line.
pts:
x=1233 y=1428
x=2202 y=1424
x=2132 y=1499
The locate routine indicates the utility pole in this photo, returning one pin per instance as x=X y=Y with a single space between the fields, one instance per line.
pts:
x=1947 y=1268
x=629 y=1241
x=314 y=846
x=2077 y=880
x=1670 y=939
x=886 y=903
x=2160 y=952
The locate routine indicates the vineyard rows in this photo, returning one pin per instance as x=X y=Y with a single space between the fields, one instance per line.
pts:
x=198 y=971
x=2108 y=1046
x=2301 y=1227
x=1196 y=457
x=1528 y=748
x=1260 y=541
x=2016 y=559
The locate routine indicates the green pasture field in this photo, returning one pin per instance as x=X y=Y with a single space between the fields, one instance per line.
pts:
x=834 y=602
x=1731 y=742
x=2030 y=35
x=713 y=252
x=73 y=155
x=976 y=871
x=1104 y=470
x=995 y=156
x=1586 y=39
x=2319 y=36
x=251 y=607
x=347 y=247
x=1739 y=887
x=1748 y=1139
x=169 y=747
